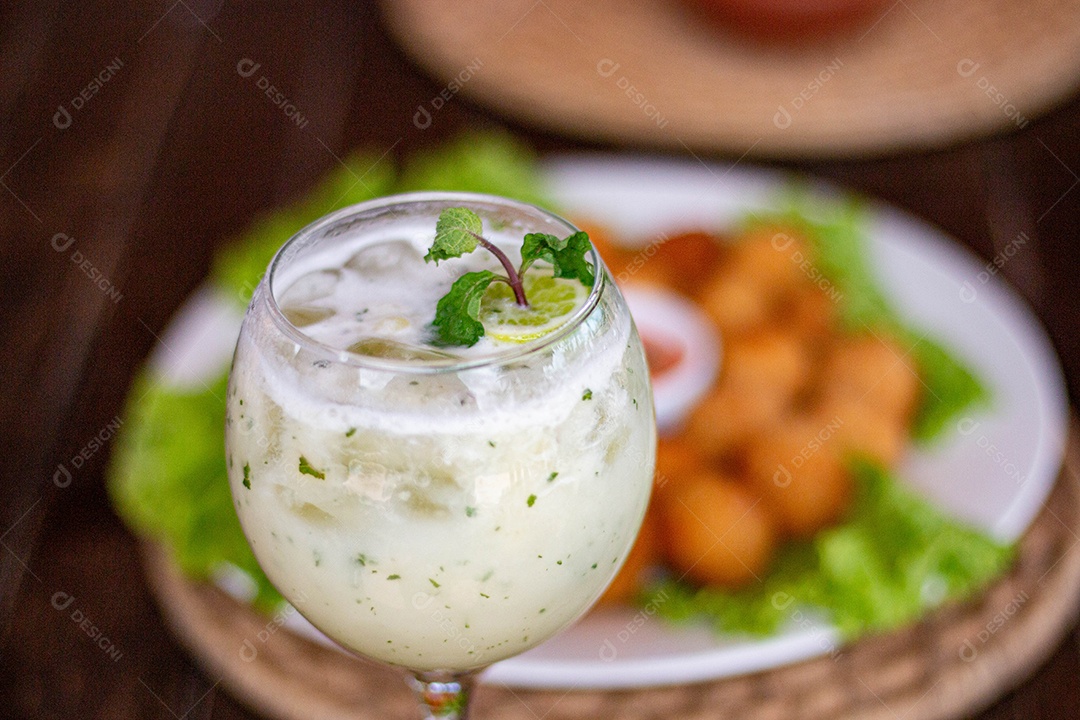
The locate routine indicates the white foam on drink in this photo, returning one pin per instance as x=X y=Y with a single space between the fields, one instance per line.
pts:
x=403 y=408
x=369 y=286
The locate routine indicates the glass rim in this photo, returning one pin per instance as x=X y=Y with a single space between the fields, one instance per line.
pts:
x=427 y=367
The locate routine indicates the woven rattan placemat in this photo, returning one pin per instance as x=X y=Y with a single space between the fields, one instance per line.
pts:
x=957 y=660
x=925 y=73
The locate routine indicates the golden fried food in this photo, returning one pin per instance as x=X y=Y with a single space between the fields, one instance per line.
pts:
x=765 y=455
x=810 y=314
x=644 y=554
x=800 y=474
x=873 y=371
x=688 y=259
x=774 y=256
x=715 y=532
x=726 y=419
x=736 y=302
x=676 y=460
x=860 y=430
x=768 y=362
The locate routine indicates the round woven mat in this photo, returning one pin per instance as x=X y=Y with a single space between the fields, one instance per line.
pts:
x=925 y=73
x=954 y=662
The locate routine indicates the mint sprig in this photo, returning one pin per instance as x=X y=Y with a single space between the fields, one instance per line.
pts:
x=458 y=231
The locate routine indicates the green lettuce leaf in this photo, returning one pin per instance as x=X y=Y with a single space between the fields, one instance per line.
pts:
x=168 y=480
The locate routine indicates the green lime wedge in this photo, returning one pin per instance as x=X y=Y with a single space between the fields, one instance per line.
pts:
x=551 y=302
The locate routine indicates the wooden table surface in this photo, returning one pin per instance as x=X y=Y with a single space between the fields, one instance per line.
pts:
x=116 y=195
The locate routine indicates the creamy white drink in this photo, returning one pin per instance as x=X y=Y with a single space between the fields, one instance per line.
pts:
x=435 y=508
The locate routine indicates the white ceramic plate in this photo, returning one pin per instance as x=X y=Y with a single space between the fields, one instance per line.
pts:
x=993 y=469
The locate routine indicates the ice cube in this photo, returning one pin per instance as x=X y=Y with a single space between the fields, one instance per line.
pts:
x=392 y=324
x=394 y=350
x=304 y=315
x=310 y=287
x=374 y=261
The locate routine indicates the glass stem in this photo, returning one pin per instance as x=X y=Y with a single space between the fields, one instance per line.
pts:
x=443 y=695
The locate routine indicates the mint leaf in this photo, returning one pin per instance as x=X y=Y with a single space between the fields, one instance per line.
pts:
x=457 y=233
x=307 y=469
x=566 y=255
x=457 y=316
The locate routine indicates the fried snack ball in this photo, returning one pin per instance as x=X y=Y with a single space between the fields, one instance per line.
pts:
x=859 y=429
x=715 y=531
x=644 y=554
x=774 y=256
x=687 y=259
x=768 y=362
x=873 y=371
x=676 y=460
x=737 y=303
x=810 y=314
x=725 y=420
x=800 y=475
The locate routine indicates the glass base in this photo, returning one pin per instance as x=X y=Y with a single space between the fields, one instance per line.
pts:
x=443 y=695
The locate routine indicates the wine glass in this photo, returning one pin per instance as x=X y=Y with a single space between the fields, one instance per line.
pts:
x=438 y=509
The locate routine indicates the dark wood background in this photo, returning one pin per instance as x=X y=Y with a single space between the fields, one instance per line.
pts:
x=175 y=153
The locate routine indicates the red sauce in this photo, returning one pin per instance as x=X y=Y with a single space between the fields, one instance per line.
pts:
x=662 y=356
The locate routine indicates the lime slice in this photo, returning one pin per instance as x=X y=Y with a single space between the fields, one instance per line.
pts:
x=551 y=302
